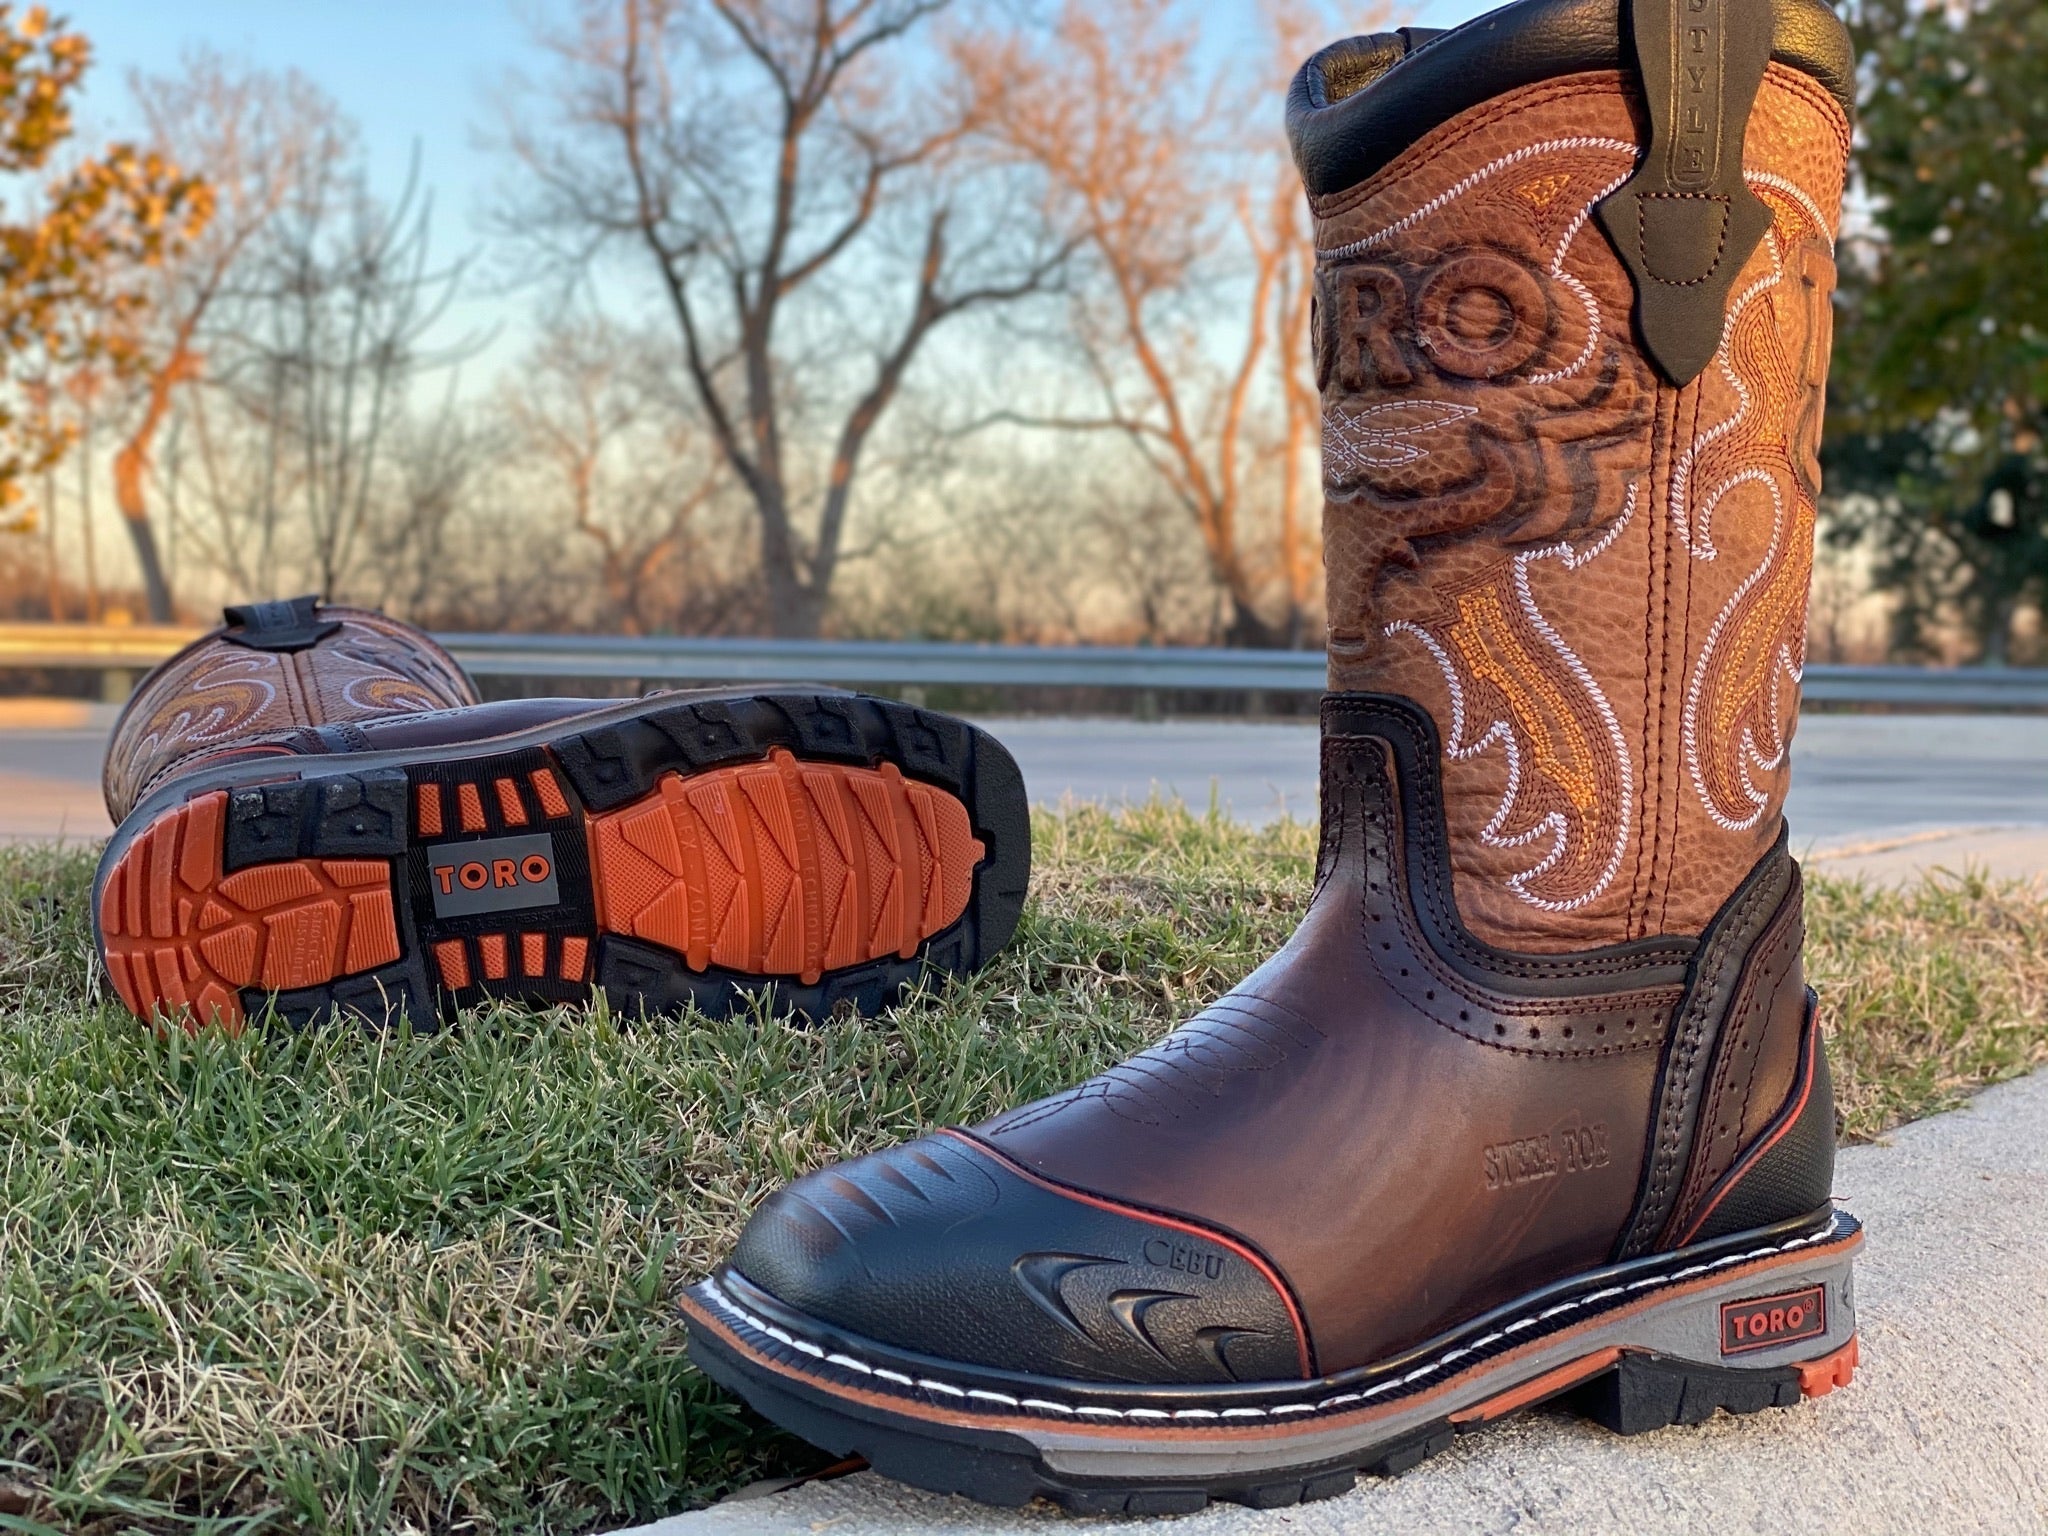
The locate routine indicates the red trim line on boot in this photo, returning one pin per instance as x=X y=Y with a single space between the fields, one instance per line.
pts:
x=1808 y=1070
x=1237 y=1246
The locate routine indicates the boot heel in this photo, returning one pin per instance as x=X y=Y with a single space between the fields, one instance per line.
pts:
x=284 y=891
x=1645 y=1392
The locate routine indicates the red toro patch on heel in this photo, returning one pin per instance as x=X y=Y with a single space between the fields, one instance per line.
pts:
x=1762 y=1322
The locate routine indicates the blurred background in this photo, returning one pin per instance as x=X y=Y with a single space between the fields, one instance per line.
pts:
x=848 y=318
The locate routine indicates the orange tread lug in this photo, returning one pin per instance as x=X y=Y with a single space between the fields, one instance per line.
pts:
x=549 y=793
x=510 y=806
x=1817 y=1378
x=372 y=932
x=428 y=800
x=784 y=868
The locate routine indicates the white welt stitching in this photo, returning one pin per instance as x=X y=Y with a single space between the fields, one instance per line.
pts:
x=762 y=1326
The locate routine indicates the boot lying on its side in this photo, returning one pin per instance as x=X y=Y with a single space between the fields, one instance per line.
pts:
x=315 y=812
x=1535 y=1100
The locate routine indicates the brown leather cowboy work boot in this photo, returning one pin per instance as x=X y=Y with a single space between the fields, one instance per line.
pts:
x=315 y=813
x=1534 y=1102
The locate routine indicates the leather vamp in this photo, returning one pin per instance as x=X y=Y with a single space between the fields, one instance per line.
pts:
x=1406 y=1148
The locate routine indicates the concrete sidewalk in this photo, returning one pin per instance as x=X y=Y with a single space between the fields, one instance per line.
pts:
x=1945 y=1428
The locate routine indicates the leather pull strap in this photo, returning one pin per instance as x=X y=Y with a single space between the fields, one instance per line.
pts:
x=1686 y=222
x=285 y=624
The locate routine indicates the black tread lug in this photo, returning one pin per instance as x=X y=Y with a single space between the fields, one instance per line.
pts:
x=359 y=815
x=1271 y=1496
x=1411 y=1451
x=264 y=823
x=1166 y=1501
x=1001 y=814
x=930 y=746
x=642 y=977
x=1645 y=1392
x=612 y=764
x=379 y=997
x=831 y=727
x=333 y=816
x=1328 y=1485
x=705 y=735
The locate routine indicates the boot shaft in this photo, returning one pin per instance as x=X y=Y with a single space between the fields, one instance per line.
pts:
x=1570 y=428
x=271 y=669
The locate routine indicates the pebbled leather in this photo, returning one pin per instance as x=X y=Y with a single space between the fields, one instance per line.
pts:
x=1341 y=134
x=1594 y=582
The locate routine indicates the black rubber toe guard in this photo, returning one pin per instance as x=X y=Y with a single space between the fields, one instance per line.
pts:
x=943 y=1248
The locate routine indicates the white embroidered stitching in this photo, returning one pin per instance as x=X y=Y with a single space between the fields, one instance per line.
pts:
x=1783 y=665
x=767 y=1329
x=1456 y=748
x=1585 y=294
x=1349 y=446
x=1700 y=540
x=1681 y=475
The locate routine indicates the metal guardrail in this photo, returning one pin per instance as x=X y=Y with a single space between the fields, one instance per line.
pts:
x=120 y=651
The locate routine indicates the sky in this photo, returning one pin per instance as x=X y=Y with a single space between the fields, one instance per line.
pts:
x=430 y=75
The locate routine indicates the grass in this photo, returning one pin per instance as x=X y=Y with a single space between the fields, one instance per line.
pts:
x=348 y=1283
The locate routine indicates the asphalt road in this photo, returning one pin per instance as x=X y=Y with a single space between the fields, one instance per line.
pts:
x=1875 y=784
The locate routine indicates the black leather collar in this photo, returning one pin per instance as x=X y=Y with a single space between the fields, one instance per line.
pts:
x=1357 y=104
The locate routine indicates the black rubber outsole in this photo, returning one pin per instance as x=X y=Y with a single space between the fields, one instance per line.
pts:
x=946 y=1426
x=1640 y=1393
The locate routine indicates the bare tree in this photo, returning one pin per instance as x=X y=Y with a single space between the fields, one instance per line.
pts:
x=634 y=474
x=260 y=137
x=800 y=178
x=1179 y=217
x=313 y=347
x=348 y=300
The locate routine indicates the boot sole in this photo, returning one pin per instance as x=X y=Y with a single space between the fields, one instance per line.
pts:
x=1757 y=1320
x=826 y=846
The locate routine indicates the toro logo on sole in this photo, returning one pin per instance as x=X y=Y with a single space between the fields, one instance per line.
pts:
x=1763 y=1321
x=494 y=874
